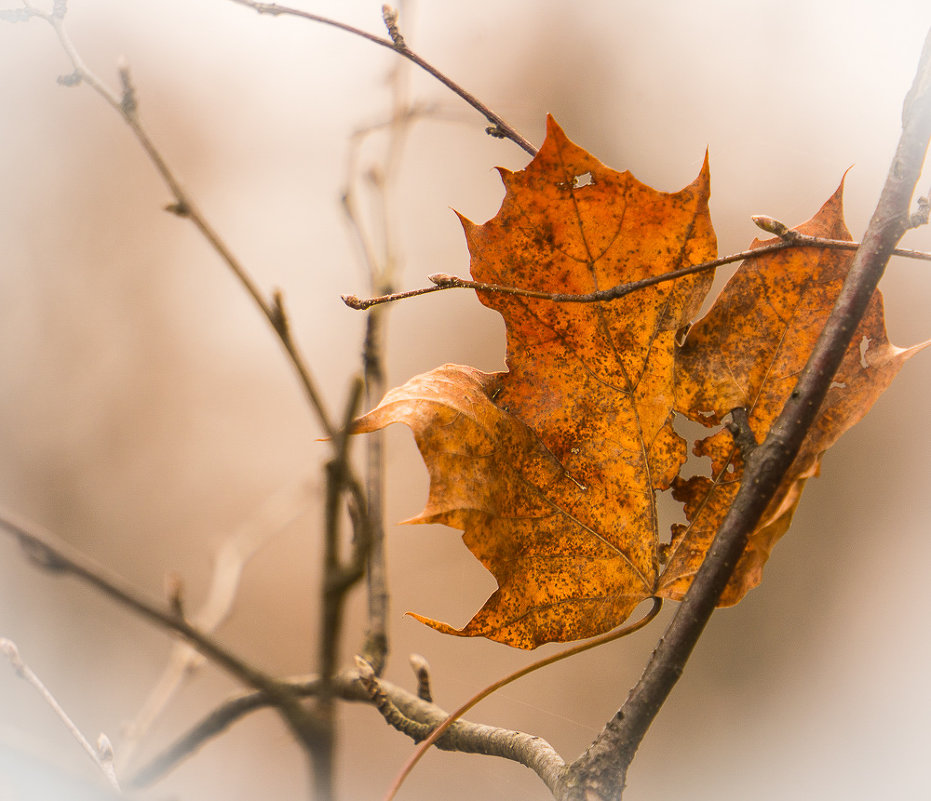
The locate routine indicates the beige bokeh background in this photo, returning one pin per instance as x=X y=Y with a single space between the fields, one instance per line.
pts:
x=146 y=410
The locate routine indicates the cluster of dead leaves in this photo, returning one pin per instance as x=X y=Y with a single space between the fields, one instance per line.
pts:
x=552 y=468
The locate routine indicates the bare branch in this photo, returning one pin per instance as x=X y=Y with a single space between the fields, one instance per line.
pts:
x=792 y=239
x=380 y=261
x=393 y=716
x=601 y=770
x=497 y=126
x=50 y=552
x=212 y=726
x=236 y=550
x=337 y=576
x=313 y=728
x=102 y=754
x=126 y=104
x=463 y=735
x=439 y=731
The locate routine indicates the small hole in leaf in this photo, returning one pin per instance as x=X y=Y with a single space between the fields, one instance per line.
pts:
x=838 y=385
x=682 y=333
x=584 y=179
x=691 y=432
x=864 y=347
x=670 y=514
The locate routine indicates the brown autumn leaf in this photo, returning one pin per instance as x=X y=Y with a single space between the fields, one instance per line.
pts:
x=552 y=468
x=747 y=352
x=566 y=522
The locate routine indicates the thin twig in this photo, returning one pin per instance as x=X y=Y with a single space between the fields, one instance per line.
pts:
x=393 y=716
x=497 y=125
x=102 y=755
x=337 y=577
x=314 y=730
x=375 y=647
x=600 y=772
x=126 y=104
x=310 y=728
x=421 y=669
x=217 y=722
x=50 y=552
x=793 y=239
x=278 y=511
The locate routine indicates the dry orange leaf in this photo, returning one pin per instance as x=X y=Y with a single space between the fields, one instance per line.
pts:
x=552 y=468
x=747 y=352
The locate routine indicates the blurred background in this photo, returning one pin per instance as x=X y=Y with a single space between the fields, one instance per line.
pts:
x=146 y=411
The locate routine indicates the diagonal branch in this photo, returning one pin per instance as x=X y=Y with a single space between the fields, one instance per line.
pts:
x=230 y=560
x=102 y=753
x=184 y=205
x=51 y=553
x=600 y=772
x=497 y=125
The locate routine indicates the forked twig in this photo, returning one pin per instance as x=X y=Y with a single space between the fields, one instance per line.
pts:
x=464 y=736
x=416 y=708
x=50 y=552
x=306 y=724
x=274 y=515
x=379 y=256
x=438 y=732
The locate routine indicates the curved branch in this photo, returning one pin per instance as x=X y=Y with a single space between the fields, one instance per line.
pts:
x=214 y=724
x=464 y=736
x=497 y=125
x=438 y=732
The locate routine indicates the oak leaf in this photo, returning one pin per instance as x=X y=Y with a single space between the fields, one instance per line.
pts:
x=552 y=468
